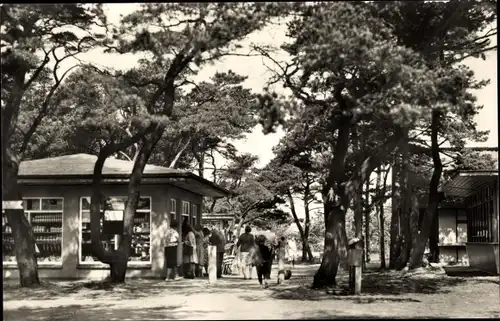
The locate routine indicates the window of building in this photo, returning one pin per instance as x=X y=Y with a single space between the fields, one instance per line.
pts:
x=194 y=215
x=111 y=221
x=185 y=211
x=173 y=209
x=480 y=213
x=46 y=218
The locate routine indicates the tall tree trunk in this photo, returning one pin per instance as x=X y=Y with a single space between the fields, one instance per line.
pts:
x=118 y=271
x=306 y=248
x=380 y=217
x=117 y=260
x=414 y=218
x=366 y=208
x=434 y=196
x=434 y=240
x=395 y=223
x=303 y=238
x=336 y=202
x=335 y=250
x=405 y=206
x=24 y=240
x=367 y=221
x=97 y=202
x=22 y=233
x=358 y=208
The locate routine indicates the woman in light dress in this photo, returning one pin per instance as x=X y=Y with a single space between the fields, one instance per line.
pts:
x=292 y=251
x=200 y=249
x=189 y=259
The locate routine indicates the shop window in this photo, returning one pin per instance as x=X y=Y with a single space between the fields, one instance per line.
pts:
x=173 y=209
x=111 y=221
x=185 y=211
x=480 y=213
x=46 y=218
x=194 y=215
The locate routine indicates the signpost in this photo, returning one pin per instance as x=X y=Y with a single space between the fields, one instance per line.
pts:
x=355 y=259
x=212 y=264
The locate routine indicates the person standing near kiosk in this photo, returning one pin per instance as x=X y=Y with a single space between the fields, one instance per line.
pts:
x=172 y=240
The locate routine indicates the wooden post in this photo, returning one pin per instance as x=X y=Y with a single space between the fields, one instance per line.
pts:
x=355 y=258
x=212 y=264
x=357 y=279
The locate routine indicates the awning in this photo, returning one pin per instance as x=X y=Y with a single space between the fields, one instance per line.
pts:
x=466 y=183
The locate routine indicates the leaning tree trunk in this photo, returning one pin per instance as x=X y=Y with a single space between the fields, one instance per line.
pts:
x=335 y=249
x=116 y=259
x=432 y=207
x=336 y=202
x=299 y=226
x=119 y=270
x=97 y=201
x=24 y=240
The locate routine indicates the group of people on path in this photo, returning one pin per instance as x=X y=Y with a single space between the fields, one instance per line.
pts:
x=259 y=252
x=195 y=242
x=251 y=251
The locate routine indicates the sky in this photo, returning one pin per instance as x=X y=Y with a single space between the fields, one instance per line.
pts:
x=257 y=72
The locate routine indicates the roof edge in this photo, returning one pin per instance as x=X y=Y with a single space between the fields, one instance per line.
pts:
x=179 y=174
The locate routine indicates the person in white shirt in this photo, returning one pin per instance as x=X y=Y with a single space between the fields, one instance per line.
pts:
x=172 y=240
x=292 y=251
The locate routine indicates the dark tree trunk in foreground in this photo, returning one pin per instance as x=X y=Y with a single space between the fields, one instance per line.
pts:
x=395 y=222
x=414 y=217
x=434 y=240
x=432 y=207
x=336 y=196
x=306 y=249
x=131 y=204
x=405 y=240
x=335 y=250
x=367 y=221
x=335 y=202
x=111 y=257
x=24 y=240
x=117 y=259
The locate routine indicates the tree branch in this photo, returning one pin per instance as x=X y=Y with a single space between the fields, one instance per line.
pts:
x=43 y=111
x=179 y=154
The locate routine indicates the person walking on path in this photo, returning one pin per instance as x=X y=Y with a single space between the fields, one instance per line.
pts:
x=190 y=255
x=292 y=251
x=246 y=243
x=217 y=238
x=281 y=254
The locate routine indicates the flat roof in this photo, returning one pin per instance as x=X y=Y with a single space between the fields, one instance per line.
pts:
x=466 y=183
x=80 y=168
